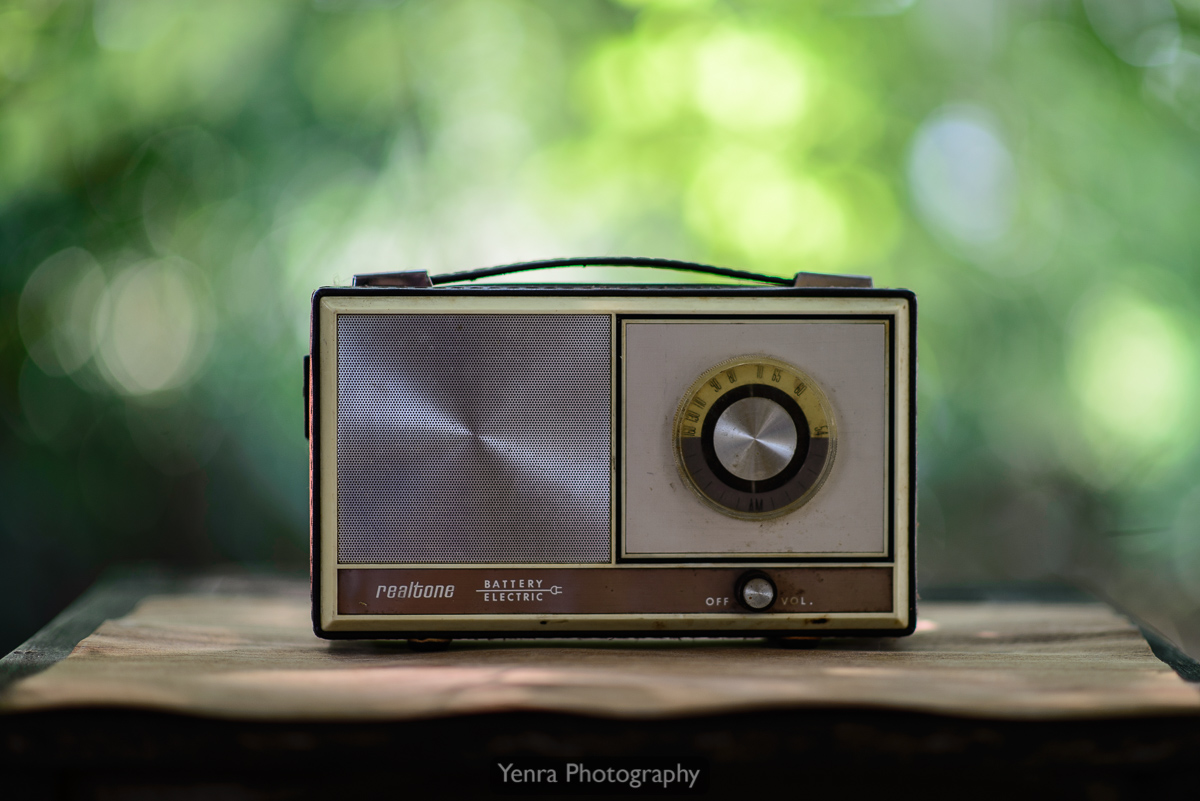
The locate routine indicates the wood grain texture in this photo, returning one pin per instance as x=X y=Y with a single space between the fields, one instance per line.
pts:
x=254 y=658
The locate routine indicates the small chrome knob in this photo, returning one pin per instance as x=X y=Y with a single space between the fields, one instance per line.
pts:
x=756 y=591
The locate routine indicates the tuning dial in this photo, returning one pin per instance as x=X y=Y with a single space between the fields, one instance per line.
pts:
x=754 y=437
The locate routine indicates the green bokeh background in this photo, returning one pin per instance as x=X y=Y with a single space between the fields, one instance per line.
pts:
x=176 y=178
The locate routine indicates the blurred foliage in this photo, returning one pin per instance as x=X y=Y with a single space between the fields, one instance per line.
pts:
x=176 y=178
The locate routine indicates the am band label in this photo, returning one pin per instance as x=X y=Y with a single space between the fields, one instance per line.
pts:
x=461 y=591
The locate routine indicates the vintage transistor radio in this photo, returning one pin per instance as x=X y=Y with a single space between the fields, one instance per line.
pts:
x=617 y=460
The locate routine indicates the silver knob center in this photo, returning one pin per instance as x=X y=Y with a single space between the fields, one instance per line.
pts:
x=758 y=593
x=755 y=438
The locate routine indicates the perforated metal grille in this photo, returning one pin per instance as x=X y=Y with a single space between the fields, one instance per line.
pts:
x=473 y=438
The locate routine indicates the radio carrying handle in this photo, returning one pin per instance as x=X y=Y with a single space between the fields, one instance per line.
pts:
x=420 y=278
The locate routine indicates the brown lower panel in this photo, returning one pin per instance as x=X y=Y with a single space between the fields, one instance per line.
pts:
x=624 y=590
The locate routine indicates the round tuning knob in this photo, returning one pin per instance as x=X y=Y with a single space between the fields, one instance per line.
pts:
x=754 y=437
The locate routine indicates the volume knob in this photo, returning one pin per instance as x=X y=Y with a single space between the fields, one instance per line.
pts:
x=756 y=591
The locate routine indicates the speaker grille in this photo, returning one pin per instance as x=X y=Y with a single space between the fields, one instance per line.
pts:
x=474 y=438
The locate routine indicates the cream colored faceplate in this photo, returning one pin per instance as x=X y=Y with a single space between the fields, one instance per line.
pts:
x=847 y=515
x=326 y=331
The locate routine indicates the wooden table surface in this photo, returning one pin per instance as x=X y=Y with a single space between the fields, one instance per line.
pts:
x=1065 y=689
